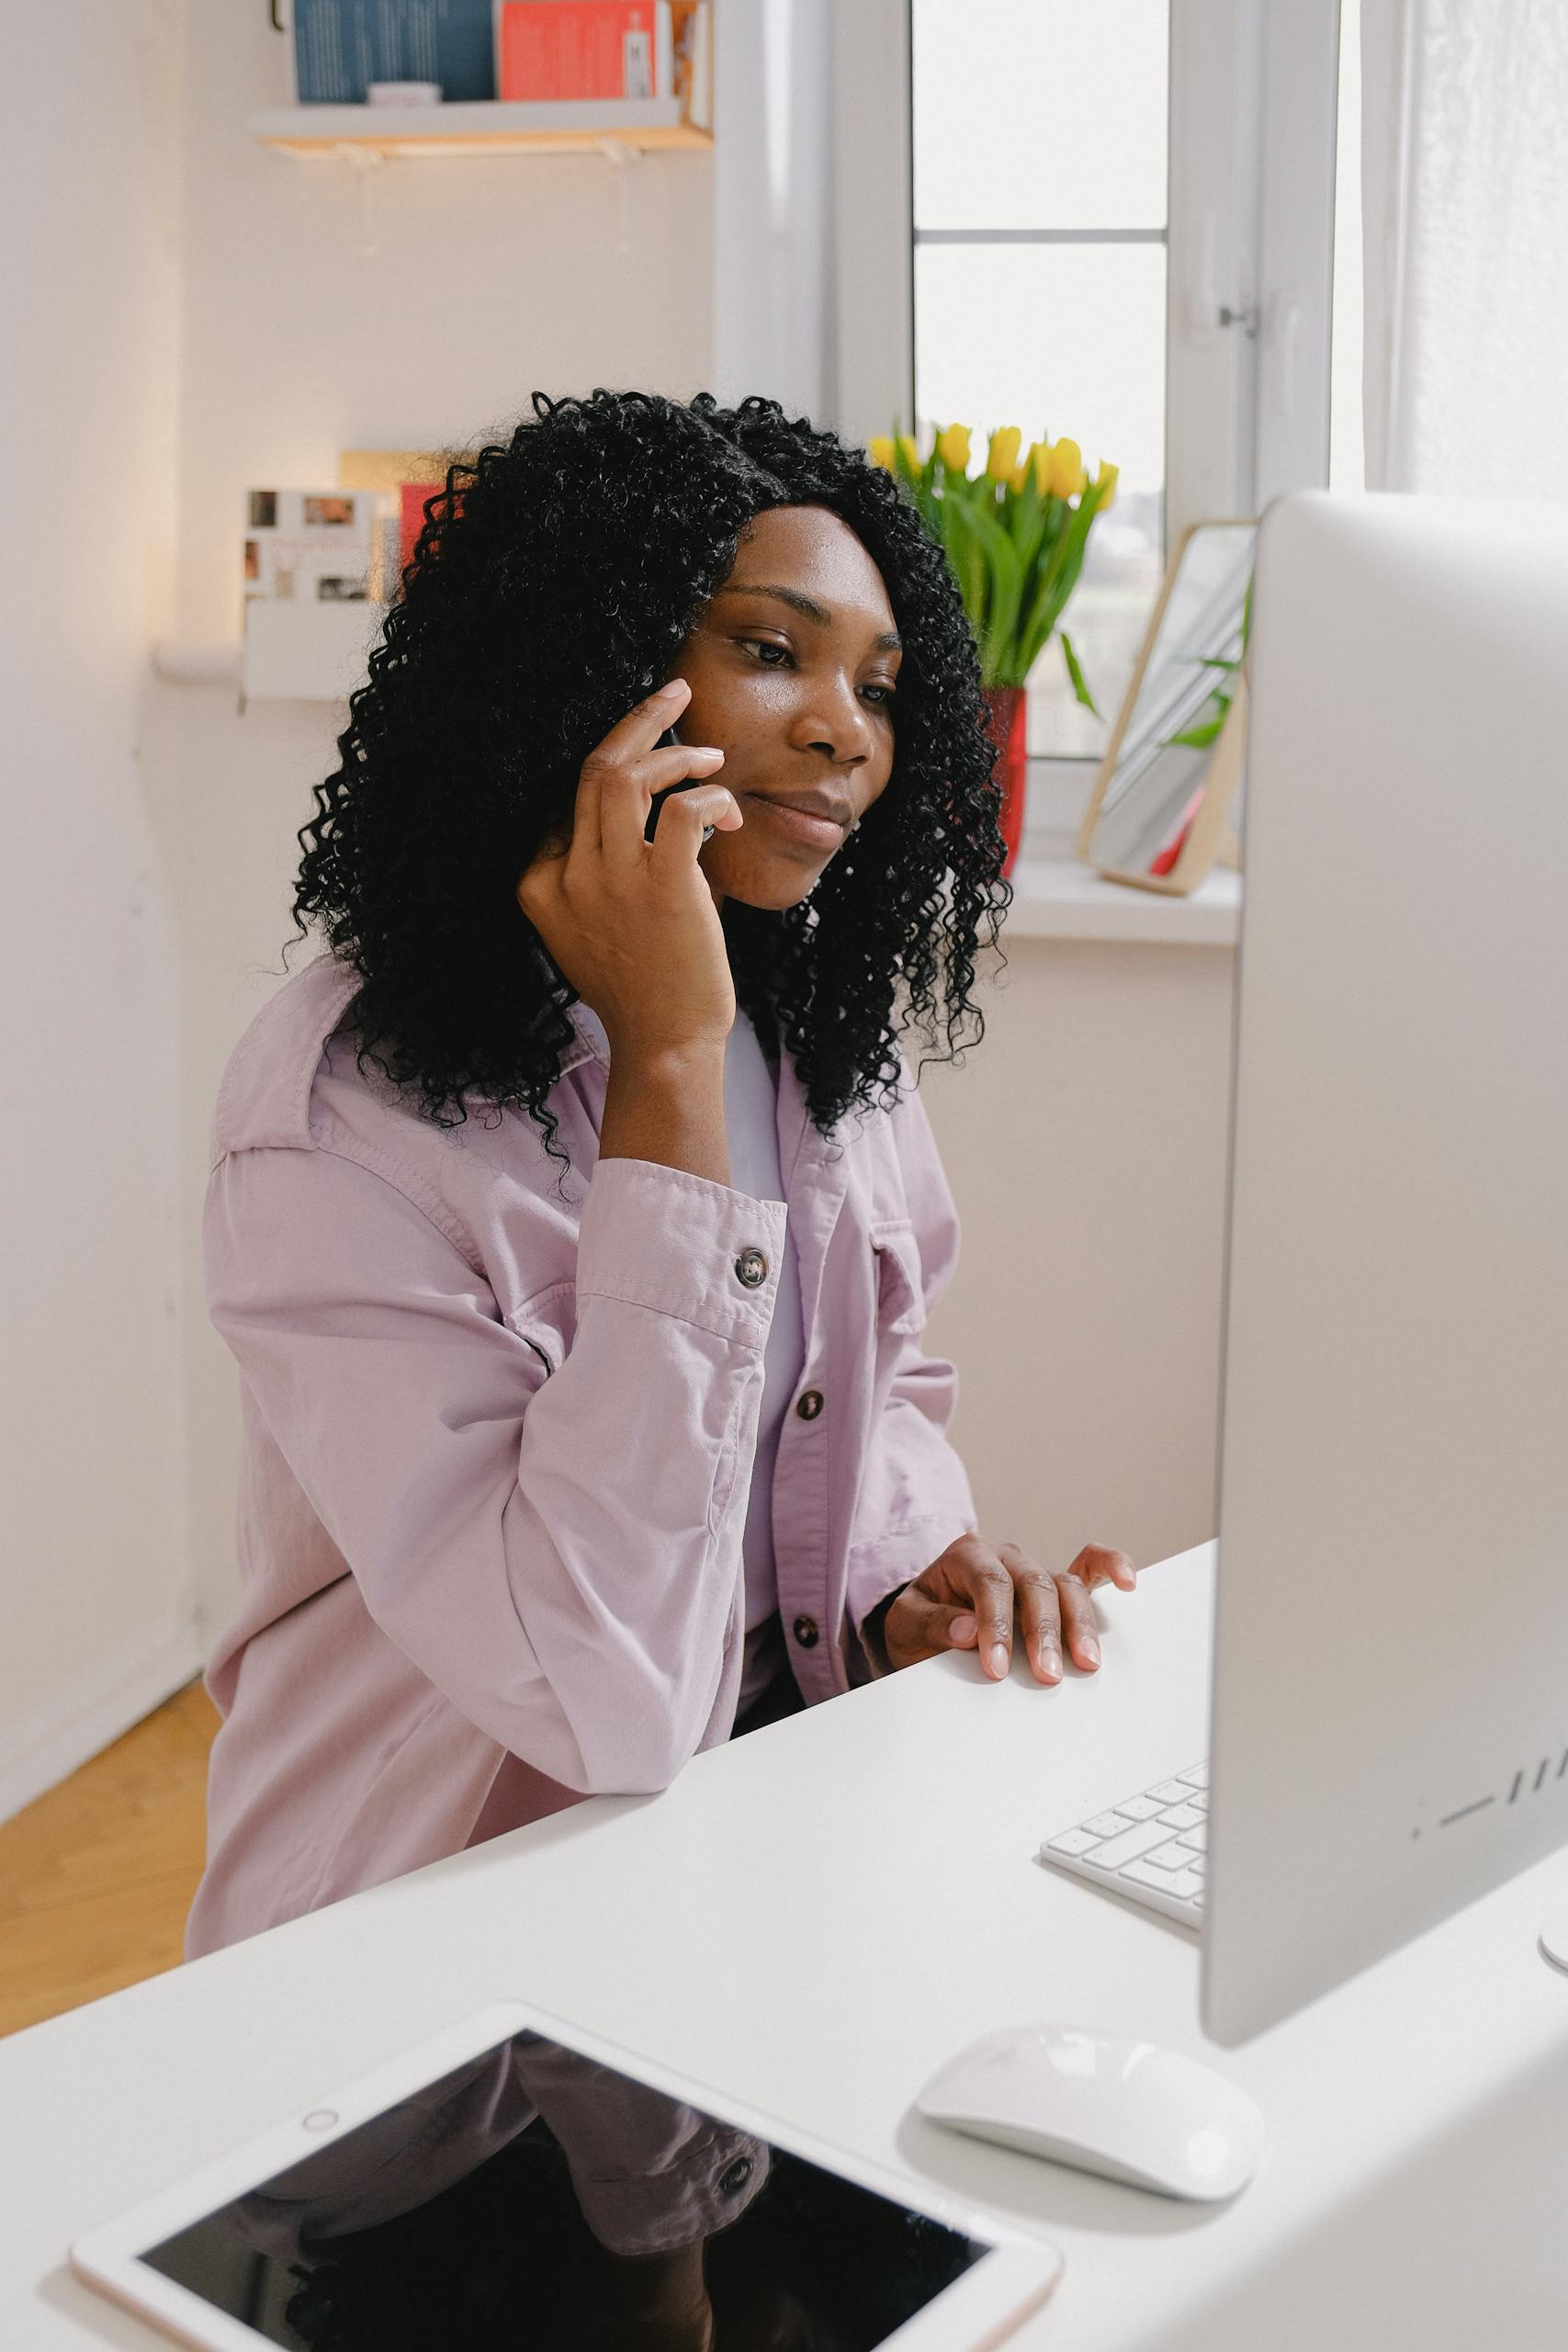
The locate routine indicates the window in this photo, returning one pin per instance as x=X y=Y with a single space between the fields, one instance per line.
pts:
x=1040 y=178
x=1124 y=229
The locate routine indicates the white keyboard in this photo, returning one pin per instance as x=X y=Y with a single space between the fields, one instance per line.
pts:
x=1149 y=1847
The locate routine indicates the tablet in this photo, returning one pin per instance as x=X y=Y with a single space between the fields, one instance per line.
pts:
x=516 y=2183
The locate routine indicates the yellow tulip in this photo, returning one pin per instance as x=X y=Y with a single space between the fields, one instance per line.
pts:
x=879 y=450
x=1040 y=459
x=952 y=448
x=1018 y=476
x=910 y=450
x=1067 y=475
x=1105 y=482
x=1003 y=455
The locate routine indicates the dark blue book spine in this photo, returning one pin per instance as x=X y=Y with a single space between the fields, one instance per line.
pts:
x=342 y=46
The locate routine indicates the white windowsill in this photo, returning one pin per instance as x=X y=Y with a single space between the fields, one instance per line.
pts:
x=1056 y=896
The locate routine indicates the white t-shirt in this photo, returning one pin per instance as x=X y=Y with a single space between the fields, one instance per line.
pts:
x=750 y=1112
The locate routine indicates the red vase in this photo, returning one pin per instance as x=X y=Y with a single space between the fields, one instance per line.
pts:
x=1007 y=718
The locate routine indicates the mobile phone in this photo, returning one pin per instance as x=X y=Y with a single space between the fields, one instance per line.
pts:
x=665 y=740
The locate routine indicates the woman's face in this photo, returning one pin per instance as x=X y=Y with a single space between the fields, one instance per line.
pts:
x=792 y=668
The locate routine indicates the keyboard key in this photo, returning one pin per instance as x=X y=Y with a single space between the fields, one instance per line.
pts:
x=1139 y=1808
x=1198 y=1778
x=1073 y=1841
x=1131 y=1842
x=1108 y=1825
x=1172 y=1856
x=1170 y=1791
x=1181 y=1817
x=1184 y=1885
x=1200 y=1799
x=1195 y=1840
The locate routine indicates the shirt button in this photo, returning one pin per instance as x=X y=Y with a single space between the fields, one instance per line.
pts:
x=752 y=1268
x=734 y=2177
x=810 y=1405
x=806 y=1632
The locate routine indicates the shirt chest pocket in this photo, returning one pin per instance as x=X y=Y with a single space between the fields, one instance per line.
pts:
x=900 y=1289
x=547 y=1324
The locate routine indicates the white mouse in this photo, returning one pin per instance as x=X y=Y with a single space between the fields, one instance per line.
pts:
x=1128 y=2110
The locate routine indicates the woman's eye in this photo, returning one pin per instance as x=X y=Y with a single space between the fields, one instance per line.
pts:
x=884 y=696
x=769 y=654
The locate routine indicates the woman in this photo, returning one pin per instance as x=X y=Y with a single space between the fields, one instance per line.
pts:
x=577 y=1313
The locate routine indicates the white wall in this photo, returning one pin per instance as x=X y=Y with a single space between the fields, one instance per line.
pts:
x=1085 y=1141
x=775 y=316
x=96 y=1616
x=415 y=307
x=873 y=277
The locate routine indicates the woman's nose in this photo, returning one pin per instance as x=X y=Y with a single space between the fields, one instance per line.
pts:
x=832 y=720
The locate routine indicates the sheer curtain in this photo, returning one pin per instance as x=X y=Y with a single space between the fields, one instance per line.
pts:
x=1465 y=163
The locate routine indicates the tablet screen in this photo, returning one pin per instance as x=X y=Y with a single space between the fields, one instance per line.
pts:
x=539 y=2201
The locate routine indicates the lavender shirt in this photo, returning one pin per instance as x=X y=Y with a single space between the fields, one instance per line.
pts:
x=499 y=1429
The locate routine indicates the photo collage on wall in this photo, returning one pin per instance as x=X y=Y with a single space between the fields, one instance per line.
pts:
x=309 y=546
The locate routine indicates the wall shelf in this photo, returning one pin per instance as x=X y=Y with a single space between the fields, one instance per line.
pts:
x=483 y=127
x=183 y=662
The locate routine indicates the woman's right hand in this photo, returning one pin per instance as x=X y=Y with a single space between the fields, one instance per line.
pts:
x=632 y=923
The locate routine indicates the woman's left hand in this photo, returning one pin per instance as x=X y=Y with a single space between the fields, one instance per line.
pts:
x=970 y=1598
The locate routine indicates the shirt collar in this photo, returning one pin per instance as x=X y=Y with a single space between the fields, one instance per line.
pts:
x=590 y=1043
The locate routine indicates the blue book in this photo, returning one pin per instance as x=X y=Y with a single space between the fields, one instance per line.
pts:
x=342 y=46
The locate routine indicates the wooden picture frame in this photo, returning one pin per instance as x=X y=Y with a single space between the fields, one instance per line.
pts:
x=1208 y=837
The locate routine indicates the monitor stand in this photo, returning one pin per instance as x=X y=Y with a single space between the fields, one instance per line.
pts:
x=1554 y=1938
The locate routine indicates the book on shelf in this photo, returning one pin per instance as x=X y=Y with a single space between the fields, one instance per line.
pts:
x=515 y=49
x=584 y=49
x=691 y=26
x=342 y=46
x=404 y=481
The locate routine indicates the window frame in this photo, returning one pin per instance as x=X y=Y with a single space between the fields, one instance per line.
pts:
x=1249 y=240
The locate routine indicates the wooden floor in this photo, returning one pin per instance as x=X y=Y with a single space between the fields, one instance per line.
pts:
x=97 y=1876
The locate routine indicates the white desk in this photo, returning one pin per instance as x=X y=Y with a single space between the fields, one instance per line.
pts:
x=816 y=1916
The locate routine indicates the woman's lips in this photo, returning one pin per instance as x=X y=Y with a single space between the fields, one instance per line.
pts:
x=796 y=824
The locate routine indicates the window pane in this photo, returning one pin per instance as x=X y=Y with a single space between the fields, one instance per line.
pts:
x=1064 y=339
x=1070 y=337
x=1053 y=117
x=1106 y=621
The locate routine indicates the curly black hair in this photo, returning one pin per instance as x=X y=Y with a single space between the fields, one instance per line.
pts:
x=553 y=584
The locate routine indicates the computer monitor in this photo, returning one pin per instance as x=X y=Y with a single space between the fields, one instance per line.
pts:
x=1390 y=1734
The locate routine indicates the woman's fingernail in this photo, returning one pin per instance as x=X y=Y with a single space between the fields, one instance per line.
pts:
x=1050 y=1661
x=709 y=752
x=1088 y=1649
x=962 y=1631
x=669 y=692
x=997 y=1659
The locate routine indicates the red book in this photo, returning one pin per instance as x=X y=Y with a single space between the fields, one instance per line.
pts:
x=415 y=496
x=583 y=48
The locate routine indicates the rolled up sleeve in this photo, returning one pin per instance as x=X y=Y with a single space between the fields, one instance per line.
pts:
x=558 y=1554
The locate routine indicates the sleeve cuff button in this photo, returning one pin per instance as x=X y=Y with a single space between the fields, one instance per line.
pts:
x=752 y=1268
